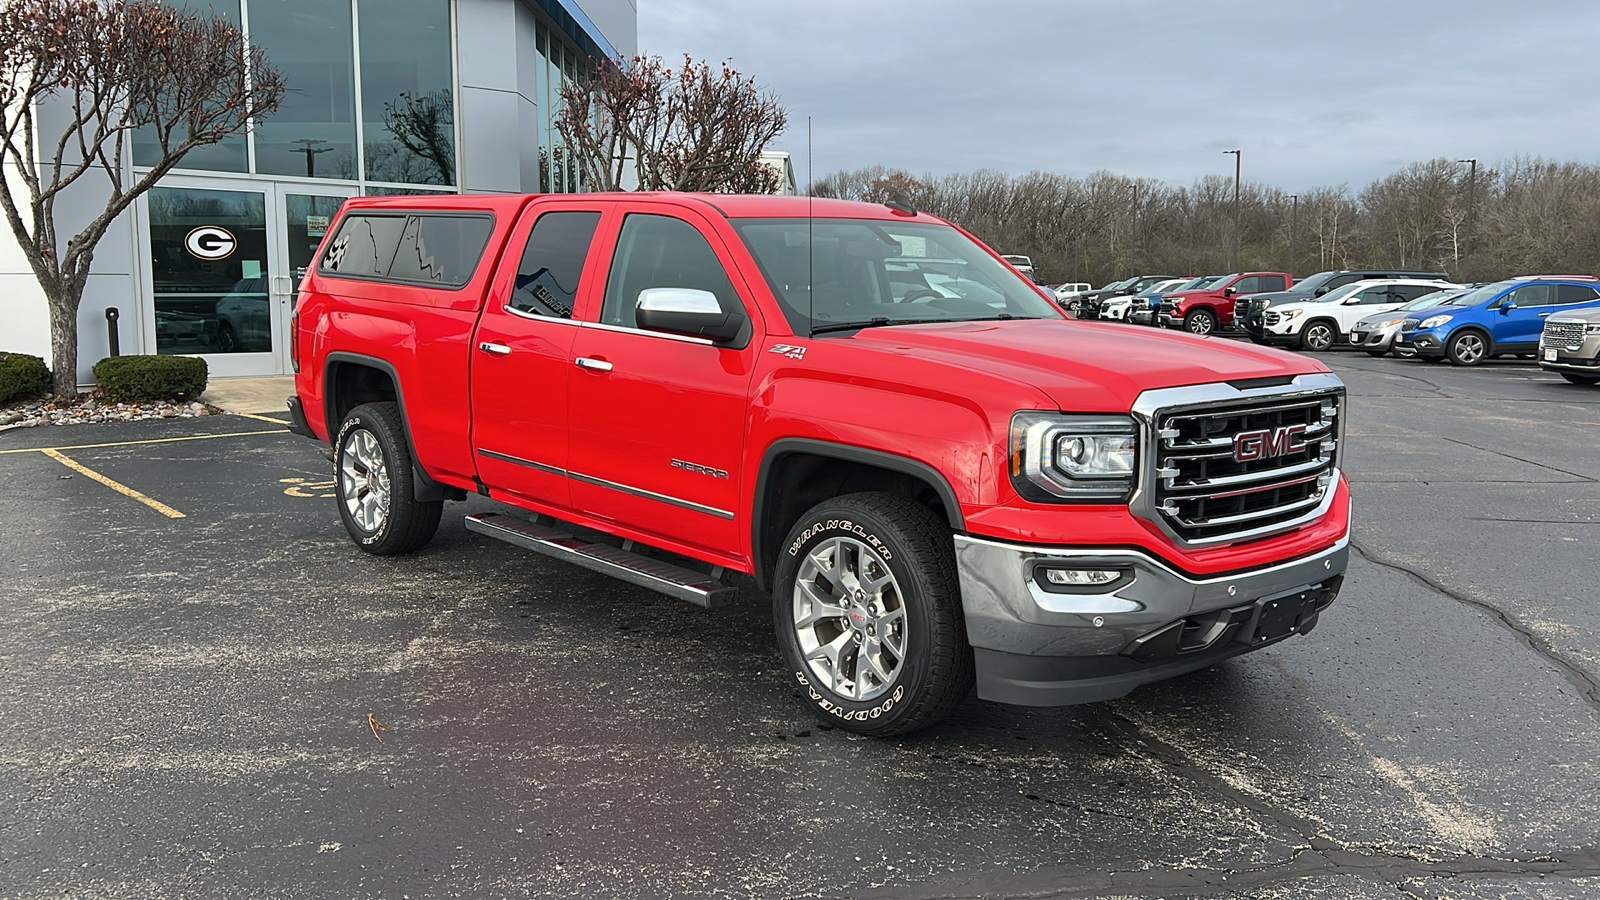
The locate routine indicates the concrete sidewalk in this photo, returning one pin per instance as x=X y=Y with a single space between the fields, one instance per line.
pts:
x=266 y=394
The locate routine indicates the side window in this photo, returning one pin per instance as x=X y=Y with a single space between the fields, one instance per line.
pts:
x=363 y=247
x=660 y=251
x=1405 y=293
x=552 y=261
x=1250 y=285
x=1272 y=283
x=1575 y=293
x=1339 y=281
x=442 y=250
x=1531 y=295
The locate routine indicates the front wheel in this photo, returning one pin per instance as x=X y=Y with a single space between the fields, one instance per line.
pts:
x=374 y=483
x=1200 y=321
x=1467 y=348
x=1575 y=378
x=1318 y=336
x=867 y=609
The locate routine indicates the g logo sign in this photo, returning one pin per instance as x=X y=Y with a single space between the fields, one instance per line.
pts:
x=210 y=242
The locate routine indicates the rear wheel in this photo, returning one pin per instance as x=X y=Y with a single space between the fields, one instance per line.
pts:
x=1467 y=348
x=1575 y=378
x=1319 y=335
x=867 y=609
x=375 y=486
x=1200 y=321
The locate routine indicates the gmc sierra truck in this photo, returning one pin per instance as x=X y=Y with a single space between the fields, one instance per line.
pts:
x=941 y=480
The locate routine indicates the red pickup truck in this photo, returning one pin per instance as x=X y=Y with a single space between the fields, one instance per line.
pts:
x=1206 y=310
x=940 y=480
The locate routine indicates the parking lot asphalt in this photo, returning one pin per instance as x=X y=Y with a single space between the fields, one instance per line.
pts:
x=207 y=691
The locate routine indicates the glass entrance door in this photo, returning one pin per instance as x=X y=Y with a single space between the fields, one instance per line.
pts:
x=305 y=212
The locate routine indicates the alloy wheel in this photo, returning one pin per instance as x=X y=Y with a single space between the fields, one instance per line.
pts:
x=850 y=618
x=364 y=480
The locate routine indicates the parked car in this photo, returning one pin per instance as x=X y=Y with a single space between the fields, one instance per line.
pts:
x=1022 y=264
x=1375 y=333
x=1322 y=322
x=707 y=380
x=244 y=317
x=1503 y=317
x=1144 y=311
x=1073 y=303
x=1089 y=304
x=1117 y=308
x=1204 y=310
x=1248 y=309
x=1570 y=346
x=1063 y=291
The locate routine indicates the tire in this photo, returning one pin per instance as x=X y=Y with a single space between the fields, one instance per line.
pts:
x=906 y=552
x=373 y=483
x=1200 y=321
x=1575 y=378
x=227 y=341
x=1319 y=335
x=1467 y=348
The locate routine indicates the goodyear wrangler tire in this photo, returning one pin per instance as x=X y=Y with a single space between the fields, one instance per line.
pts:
x=373 y=483
x=867 y=608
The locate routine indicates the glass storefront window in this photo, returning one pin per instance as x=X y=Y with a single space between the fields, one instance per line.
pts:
x=307 y=218
x=228 y=156
x=407 y=107
x=314 y=131
x=209 y=267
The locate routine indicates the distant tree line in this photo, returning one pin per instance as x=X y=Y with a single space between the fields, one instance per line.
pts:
x=1525 y=215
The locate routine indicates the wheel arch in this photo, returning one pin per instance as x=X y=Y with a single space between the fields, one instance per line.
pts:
x=1338 y=333
x=351 y=379
x=798 y=473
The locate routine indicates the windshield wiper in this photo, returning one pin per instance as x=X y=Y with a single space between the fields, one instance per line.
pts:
x=881 y=321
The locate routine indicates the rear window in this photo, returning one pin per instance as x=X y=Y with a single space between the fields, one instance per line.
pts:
x=420 y=248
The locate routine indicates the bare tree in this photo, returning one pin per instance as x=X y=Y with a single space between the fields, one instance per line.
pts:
x=694 y=128
x=104 y=69
x=424 y=126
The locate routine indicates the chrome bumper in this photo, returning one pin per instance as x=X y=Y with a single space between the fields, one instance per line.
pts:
x=1038 y=647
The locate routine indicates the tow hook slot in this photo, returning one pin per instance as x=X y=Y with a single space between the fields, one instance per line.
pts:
x=1261 y=622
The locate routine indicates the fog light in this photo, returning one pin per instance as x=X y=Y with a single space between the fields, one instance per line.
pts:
x=1082 y=577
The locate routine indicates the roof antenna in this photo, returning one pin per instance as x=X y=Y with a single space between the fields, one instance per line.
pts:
x=901 y=203
x=811 y=251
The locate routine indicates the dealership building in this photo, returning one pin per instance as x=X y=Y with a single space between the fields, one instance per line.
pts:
x=385 y=97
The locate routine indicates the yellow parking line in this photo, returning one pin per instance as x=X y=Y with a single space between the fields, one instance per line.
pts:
x=260 y=418
x=194 y=437
x=120 y=488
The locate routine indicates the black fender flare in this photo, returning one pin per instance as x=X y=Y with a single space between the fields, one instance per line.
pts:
x=848 y=453
x=427 y=489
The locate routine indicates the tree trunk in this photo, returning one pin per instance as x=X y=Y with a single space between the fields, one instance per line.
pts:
x=64 y=338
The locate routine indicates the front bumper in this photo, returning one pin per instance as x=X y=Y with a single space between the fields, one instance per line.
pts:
x=1425 y=343
x=1374 y=339
x=1036 y=647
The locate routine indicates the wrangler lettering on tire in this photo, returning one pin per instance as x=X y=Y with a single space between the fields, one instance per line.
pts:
x=867 y=609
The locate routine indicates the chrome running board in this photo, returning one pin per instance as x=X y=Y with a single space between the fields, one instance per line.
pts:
x=674 y=581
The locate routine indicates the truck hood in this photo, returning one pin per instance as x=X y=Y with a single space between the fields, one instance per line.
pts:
x=1084 y=366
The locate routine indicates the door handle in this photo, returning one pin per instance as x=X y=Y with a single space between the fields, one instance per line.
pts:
x=496 y=349
x=282 y=284
x=593 y=365
x=1542 y=315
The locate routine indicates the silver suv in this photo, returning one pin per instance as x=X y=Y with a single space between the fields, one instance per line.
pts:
x=1570 y=346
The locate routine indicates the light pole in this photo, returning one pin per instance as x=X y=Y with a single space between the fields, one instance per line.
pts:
x=1472 y=200
x=1233 y=265
x=1294 y=222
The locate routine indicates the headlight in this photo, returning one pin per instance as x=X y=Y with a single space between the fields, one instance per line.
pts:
x=1285 y=315
x=1084 y=459
x=1593 y=328
x=1434 y=321
x=1386 y=323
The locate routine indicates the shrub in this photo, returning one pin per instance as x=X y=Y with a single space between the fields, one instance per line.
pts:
x=134 y=378
x=22 y=375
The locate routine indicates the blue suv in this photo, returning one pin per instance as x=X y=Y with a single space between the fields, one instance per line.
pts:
x=1504 y=317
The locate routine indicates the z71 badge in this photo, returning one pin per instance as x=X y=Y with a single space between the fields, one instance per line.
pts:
x=789 y=350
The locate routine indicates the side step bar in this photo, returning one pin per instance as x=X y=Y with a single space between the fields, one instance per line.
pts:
x=674 y=581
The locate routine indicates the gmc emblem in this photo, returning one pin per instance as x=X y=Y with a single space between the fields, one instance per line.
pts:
x=1268 y=443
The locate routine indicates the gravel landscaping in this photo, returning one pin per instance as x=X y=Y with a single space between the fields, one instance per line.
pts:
x=88 y=409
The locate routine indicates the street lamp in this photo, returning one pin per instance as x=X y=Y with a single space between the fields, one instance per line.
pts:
x=1234 y=264
x=1472 y=199
x=1294 y=221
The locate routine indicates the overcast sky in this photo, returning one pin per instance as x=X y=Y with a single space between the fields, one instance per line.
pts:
x=1315 y=92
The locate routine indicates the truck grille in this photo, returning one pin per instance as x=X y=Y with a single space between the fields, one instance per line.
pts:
x=1410 y=324
x=1245 y=469
x=1563 y=334
x=1272 y=318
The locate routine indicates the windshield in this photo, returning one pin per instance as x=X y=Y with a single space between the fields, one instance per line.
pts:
x=1311 y=283
x=1433 y=299
x=1479 y=295
x=1195 y=283
x=1338 y=293
x=831 y=272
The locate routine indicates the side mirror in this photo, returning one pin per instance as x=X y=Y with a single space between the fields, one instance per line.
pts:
x=1319 y=292
x=688 y=312
x=1351 y=301
x=1507 y=306
x=1229 y=292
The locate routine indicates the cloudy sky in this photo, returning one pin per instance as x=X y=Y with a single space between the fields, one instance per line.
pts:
x=1315 y=92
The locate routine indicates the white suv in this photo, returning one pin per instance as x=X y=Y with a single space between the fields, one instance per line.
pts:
x=1322 y=322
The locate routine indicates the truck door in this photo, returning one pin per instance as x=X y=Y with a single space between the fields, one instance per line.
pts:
x=658 y=420
x=522 y=351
